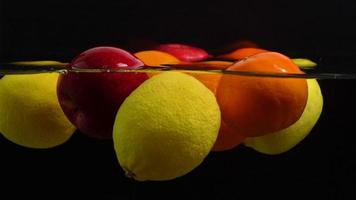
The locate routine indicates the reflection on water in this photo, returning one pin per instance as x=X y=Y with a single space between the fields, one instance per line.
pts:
x=34 y=67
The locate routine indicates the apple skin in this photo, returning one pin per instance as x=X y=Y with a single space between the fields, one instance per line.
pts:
x=184 y=52
x=91 y=100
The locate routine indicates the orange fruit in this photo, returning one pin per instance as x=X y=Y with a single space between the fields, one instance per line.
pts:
x=255 y=106
x=242 y=53
x=156 y=58
x=228 y=138
x=212 y=64
x=210 y=80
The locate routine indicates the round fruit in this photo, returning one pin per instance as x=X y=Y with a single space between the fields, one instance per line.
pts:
x=304 y=63
x=214 y=64
x=228 y=138
x=184 y=52
x=37 y=63
x=286 y=139
x=166 y=127
x=255 y=106
x=210 y=80
x=242 y=53
x=30 y=113
x=156 y=58
x=91 y=100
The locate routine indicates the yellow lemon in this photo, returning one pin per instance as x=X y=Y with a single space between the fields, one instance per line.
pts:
x=38 y=63
x=304 y=63
x=30 y=114
x=166 y=127
x=286 y=139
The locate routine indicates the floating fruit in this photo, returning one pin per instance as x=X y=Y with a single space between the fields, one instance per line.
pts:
x=255 y=106
x=184 y=52
x=242 y=53
x=91 y=100
x=284 y=140
x=166 y=127
x=156 y=58
x=30 y=113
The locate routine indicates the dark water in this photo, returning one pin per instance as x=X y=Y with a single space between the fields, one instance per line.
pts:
x=322 y=166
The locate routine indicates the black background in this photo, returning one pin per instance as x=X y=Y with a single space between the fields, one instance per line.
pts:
x=323 y=166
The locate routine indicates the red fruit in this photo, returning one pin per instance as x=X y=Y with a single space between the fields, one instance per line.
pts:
x=91 y=100
x=184 y=52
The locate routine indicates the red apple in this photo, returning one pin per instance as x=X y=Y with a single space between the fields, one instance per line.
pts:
x=91 y=100
x=184 y=52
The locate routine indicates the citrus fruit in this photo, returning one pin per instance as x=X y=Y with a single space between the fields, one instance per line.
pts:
x=304 y=63
x=166 y=127
x=228 y=138
x=30 y=113
x=156 y=58
x=242 y=53
x=37 y=63
x=212 y=64
x=210 y=80
x=284 y=140
x=255 y=106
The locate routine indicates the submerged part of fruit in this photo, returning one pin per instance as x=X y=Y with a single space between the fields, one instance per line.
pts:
x=91 y=100
x=166 y=127
x=255 y=106
x=286 y=139
x=228 y=138
x=30 y=113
